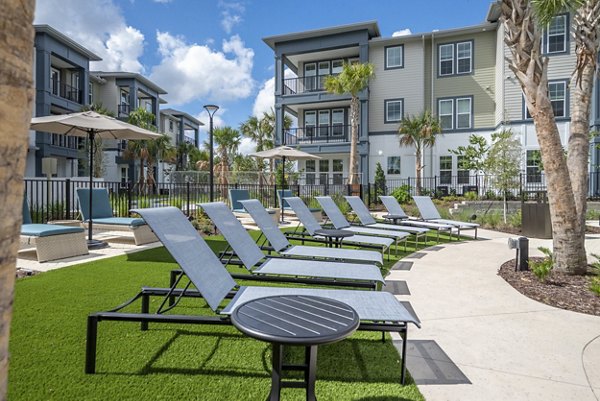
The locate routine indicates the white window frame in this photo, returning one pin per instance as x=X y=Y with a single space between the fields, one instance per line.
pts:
x=564 y=97
x=400 y=48
x=308 y=131
x=451 y=114
x=470 y=112
x=387 y=119
x=451 y=59
x=470 y=58
x=564 y=34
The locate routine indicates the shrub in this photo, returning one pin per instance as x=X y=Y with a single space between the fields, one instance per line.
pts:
x=595 y=283
x=341 y=203
x=471 y=196
x=515 y=219
x=592 y=214
x=543 y=268
x=380 y=188
x=491 y=219
x=402 y=194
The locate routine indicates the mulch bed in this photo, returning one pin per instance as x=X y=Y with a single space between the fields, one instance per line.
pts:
x=561 y=290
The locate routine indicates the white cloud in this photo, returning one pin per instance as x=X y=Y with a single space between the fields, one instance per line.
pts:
x=218 y=120
x=193 y=71
x=265 y=99
x=231 y=15
x=98 y=26
x=247 y=146
x=402 y=32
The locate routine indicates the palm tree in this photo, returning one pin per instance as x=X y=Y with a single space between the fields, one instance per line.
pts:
x=420 y=131
x=353 y=79
x=138 y=149
x=157 y=149
x=16 y=53
x=523 y=38
x=228 y=141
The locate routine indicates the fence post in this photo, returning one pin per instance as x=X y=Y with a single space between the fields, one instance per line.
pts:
x=521 y=185
x=67 y=199
x=129 y=200
x=275 y=194
x=369 y=194
x=187 y=190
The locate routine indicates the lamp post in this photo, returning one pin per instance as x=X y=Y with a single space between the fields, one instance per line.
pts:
x=211 y=109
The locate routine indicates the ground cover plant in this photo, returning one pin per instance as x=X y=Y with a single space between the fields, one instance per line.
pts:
x=168 y=361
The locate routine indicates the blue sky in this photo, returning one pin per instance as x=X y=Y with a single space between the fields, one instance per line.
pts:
x=206 y=51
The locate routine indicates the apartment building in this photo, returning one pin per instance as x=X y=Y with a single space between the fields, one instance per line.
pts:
x=121 y=93
x=459 y=74
x=181 y=128
x=61 y=80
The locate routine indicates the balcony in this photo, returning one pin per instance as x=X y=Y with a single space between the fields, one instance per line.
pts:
x=294 y=86
x=123 y=109
x=323 y=134
x=65 y=91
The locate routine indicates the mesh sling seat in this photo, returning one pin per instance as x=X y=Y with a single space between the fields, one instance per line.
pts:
x=364 y=216
x=395 y=213
x=238 y=195
x=339 y=222
x=377 y=310
x=103 y=219
x=257 y=263
x=430 y=213
x=281 y=245
x=52 y=241
x=310 y=226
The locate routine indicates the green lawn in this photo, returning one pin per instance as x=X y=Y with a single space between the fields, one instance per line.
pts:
x=167 y=362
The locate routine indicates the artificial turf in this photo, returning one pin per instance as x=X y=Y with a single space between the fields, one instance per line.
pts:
x=167 y=362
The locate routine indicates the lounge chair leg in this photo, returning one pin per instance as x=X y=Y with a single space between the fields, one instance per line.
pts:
x=311 y=372
x=475 y=232
x=145 y=309
x=90 y=344
x=172 y=280
x=404 y=336
x=277 y=372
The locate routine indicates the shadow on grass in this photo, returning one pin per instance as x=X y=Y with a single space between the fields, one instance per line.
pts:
x=365 y=360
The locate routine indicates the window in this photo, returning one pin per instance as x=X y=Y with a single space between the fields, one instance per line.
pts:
x=463 y=113
x=557 y=91
x=310 y=172
x=323 y=123
x=464 y=51
x=393 y=110
x=338 y=172
x=55 y=81
x=170 y=125
x=393 y=165
x=445 y=170
x=90 y=93
x=337 y=122
x=310 y=122
x=323 y=73
x=323 y=171
x=534 y=162
x=310 y=76
x=337 y=66
x=446 y=113
x=124 y=175
x=446 y=66
x=462 y=173
x=556 y=35
x=394 y=57
x=459 y=54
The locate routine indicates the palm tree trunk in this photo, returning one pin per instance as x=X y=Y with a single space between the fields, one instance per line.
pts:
x=419 y=167
x=353 y=179
x=16 y=87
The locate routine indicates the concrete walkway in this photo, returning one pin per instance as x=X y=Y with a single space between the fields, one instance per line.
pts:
x=483 y=340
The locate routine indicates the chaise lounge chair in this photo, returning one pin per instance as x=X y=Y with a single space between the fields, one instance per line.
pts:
x=429 y=213
x=52 y=241
x=367 y=221
x=340 y=223
x=311 y=227
x=281 y=245
x=396 y=214
x=238 y=195
x=377 y=310
x=257 y=263
x=282 y=196
x=103 y=219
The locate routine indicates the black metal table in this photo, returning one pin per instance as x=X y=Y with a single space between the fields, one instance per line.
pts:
x=295 y=320
x=334 y=237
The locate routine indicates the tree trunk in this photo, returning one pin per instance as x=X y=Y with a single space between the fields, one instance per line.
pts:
x=16 y=96
x=353 y=171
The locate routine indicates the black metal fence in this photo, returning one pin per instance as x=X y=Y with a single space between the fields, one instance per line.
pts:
x=56 y=199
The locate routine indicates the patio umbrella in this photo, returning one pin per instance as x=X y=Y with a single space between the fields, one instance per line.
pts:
x=91 y=125
x=283 y=153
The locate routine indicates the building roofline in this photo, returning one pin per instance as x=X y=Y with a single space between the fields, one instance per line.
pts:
x=135 y=75
x=61 y=37
x=487 y=26
x=494 y=12
x=177 y=113
x=371 y=26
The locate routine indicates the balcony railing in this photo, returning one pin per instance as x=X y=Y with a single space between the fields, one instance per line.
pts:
x=321 y=134
x=315 y=83
x=65 y=91
x=123 y=109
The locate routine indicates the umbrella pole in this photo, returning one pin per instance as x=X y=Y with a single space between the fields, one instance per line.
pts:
x=92 y=243
x=282 y=189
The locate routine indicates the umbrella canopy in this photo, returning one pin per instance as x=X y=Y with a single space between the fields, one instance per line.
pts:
x=91 y=125
x=81 y=124
x=286 y=152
